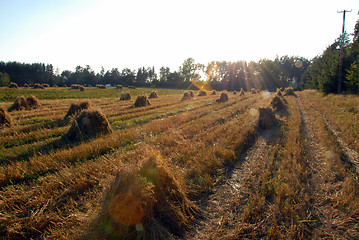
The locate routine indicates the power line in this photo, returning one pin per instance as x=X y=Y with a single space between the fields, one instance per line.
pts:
x=340 y=75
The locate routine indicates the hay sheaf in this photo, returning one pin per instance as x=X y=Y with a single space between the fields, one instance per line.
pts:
x=38 y=86
x=125 y=96
x=13 y=85
x=76 y=86
x=45 y=85
x=5 y=119
x=25 y=85
x=22 y=103
x=191 y=94
x=223 y=98
x=89 y=124
x=202 y=93
x=33 y=102
x=145 y=203
x=141 y=101
x=253 y=91
x=100 y=86
x=241 y=93
x=118 y=86
x=289 y=92
x=213 y=93
x=153 y=94
x=75 y=108
x=186 y=96
x=277 y=104
x=266 y=119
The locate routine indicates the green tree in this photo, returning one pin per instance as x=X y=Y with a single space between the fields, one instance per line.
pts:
x=5 y=79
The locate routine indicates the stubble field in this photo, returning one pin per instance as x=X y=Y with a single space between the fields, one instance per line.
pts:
x=194 y=169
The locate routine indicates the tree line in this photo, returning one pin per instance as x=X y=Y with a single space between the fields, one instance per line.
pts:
x=323 y=72
x=220 y=75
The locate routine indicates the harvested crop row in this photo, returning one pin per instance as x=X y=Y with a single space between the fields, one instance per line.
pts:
x=341 y=113
x=60 y=193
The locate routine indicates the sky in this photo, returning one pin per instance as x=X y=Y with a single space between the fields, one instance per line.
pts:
x=145 y=33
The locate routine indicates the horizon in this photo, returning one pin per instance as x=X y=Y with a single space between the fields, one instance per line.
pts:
x=119 y=34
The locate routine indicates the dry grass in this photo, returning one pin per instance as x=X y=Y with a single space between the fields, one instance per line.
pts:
x=55 y=191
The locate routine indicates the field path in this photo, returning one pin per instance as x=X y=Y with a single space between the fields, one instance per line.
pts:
x=218 y=208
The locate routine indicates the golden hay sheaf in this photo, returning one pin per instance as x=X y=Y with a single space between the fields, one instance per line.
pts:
x=202 y=93
x=89 y=124
x=241 y=93
x=223 y=98
x=22 y=103
x=142 y=101
x=253 y=91
x=289 y=92
x=119 y=86
x=191 y=94
x=213 y=92
x=153 y=94
x=38 y=86
x=145 y=203
x=13 y=85
x=277 y=104
x=125 y=96
x=25 y=85
x=266 y=119
x=5 y=119
x=75 y=108
x=186 y=96
x=32 y=102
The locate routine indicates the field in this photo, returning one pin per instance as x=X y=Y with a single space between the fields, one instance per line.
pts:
x=194 y=169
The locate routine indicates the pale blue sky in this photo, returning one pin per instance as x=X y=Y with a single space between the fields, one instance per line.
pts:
x=137 y=33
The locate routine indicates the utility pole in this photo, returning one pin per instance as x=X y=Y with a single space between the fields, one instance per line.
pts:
x=340 y=75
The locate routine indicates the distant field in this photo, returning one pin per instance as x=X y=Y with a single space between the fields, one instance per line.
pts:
x=194 y=169
x=8 y=94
